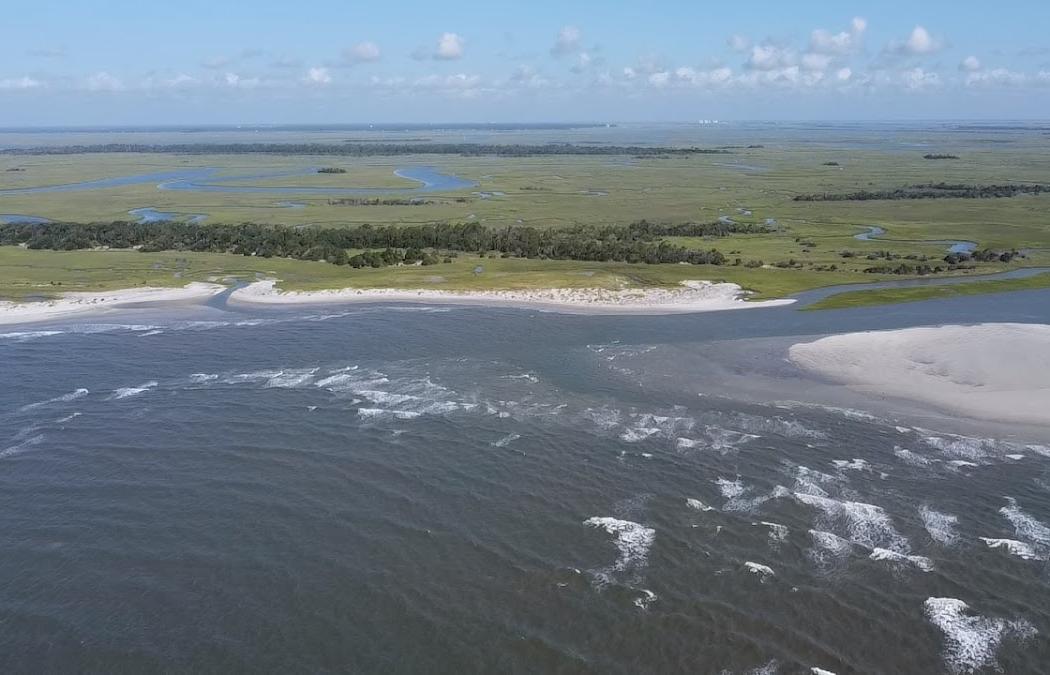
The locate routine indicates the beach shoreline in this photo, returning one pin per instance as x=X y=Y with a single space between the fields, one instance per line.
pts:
x=76 y=303
x=996 y=372
x=691 y=297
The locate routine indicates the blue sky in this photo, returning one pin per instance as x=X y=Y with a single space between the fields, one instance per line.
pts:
x=188 y=61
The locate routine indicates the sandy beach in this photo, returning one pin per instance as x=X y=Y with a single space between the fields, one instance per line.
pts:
x=692 y=296
x=76 y=303
x=995 y=371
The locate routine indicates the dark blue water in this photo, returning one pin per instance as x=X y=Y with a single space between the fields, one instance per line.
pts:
x=406 y=489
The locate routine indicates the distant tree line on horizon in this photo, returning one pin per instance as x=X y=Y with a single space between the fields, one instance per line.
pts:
x=929 y=191
x=387 y=201
x=936 y=156
x=635 y=243
x=368 y=149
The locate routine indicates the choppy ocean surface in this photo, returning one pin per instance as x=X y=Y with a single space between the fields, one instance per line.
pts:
x=412 y=489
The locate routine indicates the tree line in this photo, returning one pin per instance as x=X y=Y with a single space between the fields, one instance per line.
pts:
x=930 y=191
x=367 y=149
x=635 y=243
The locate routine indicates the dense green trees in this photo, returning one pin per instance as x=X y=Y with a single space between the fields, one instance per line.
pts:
x=930 y=191
x=384 y=245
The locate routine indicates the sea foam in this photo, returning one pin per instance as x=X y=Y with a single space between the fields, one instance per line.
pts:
x=972 y=642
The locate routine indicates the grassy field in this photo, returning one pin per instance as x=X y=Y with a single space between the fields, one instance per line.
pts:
x=751 y=185
x=25 y=273
x=888 y=296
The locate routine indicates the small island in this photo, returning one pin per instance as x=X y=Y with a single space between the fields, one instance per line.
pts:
x=331 y=169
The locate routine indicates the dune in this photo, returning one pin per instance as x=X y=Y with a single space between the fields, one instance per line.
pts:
x=992 y=371
x=691 y=296
x=77 y=303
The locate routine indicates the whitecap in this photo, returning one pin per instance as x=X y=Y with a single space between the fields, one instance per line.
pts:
x=864 y=524
x=633 y=541
x=777 y=533
x=291 y=379
x=1026 y=527
x=647 y=598
x=698 y=505
x=25 y=336
x=716 y=438
x=940 y=526
x=128 y=392
x=201 y=378
x=851 y=465
x=253 y=376
x=753 y=424
x=763 y=571
x=923 y=563
x=972 y=642
x=740 y=498
x=638 y=434
x=910 y=458
x=506 y=440
x=68 y=418
x=770 y=668
x=372 y=413
x=1020 y=549
x=64 y=398
x=730 y=488
x=24 y=446
x=812 y=482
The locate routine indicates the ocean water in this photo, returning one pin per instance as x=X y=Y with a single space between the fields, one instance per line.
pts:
x=443 y=489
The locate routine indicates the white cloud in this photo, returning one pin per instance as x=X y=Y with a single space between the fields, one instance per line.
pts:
x=844 y=74
x=583 y=62
x=814 y=61
x=318 y=76
x=24 y=82
x=970 y=64
x=660 y=79
x=846 y=42
x=449 y=47
x=997 y=77
x=362 y=52
x=103 y=81
x=703 y=78
x=567 y=42
x=919 y=43
x=235 y=81
x=527 y=76
x=918 y=79
x=770 y=57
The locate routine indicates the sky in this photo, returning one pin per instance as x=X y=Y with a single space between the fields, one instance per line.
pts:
x=117 y=62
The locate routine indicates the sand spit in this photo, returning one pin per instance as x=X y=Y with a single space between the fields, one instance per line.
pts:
x=74 y=304
x=692 y=296
x=992 y=371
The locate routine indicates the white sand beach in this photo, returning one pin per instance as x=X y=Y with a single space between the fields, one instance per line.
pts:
x=76 y=303
x=993 y=371
x=692 y=296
